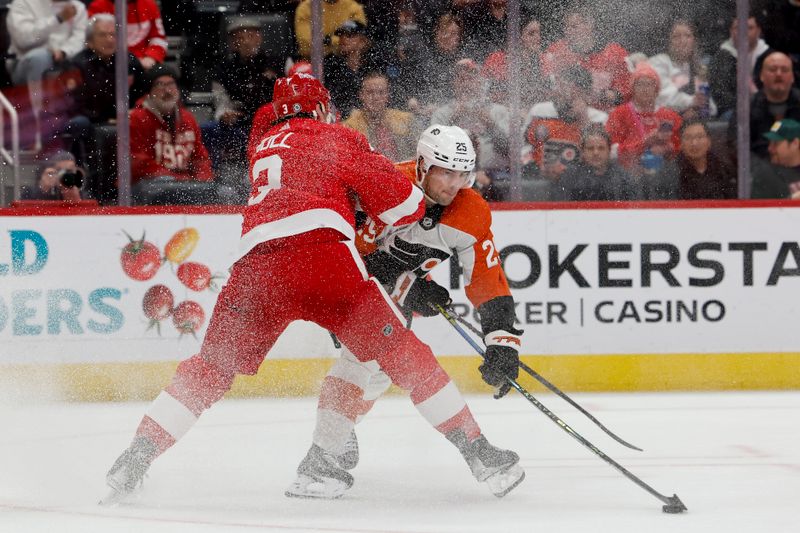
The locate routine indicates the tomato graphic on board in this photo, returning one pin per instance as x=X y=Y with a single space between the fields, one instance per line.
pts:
x=196 y=276
x=188 y=317
x=157 y=305
x=181 y=245
x=140 y=259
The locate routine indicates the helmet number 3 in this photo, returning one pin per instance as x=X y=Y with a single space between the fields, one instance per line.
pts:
x=492 y=257
x=266 y=176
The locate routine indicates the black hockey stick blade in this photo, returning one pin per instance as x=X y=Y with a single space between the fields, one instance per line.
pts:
x=675 y=505
x=672 y=505
x=544 y=381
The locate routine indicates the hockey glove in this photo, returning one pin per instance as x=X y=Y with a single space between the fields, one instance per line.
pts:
x=501 y=360
x=419 y=295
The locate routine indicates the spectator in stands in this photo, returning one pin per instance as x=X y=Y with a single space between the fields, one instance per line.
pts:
x=596 y=177
x=93 y=126
x=404 y=65
x=334 y=14
x=782 y=29
x=581 y=46
x=780 y=178
x=43 y=34
x=430 y=85
x=166 y=145
x=390 y=131
x=683 y=73
x=345 y=70
x=487 y=122
x=242 y=83
x=644 y=133
x=535 y=87
x=777 y=100
x=487 y=23
x=699 y=173
x=722 y=70
x=554 y=127
x=146 y=37
x=58 y=178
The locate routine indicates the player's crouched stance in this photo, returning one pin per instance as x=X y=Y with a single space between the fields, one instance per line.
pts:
x=457 y=221
x=307 y=177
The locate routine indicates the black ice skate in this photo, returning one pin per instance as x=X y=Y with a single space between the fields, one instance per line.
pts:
x=349 y=459
x=127 y=474
x=318 y=476
x=499 y=469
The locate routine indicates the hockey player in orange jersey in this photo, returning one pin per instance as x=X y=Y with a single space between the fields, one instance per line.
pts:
x=457 y=222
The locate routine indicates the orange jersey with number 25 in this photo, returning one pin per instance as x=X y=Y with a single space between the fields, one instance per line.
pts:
x=463 y=228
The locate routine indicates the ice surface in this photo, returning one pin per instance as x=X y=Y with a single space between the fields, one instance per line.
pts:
x=733 y=458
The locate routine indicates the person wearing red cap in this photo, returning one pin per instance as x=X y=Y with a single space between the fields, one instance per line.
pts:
x=640 y=128
x=297 y=260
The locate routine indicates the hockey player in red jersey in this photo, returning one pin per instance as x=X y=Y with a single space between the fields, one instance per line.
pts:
x=457 y=222
x=298 y=261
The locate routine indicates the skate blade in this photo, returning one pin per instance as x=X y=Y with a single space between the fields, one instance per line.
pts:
x=113 y=498
x=309 y=488
x=505 y=481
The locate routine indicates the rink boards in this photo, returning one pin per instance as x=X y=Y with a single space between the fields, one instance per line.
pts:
x=611 y=297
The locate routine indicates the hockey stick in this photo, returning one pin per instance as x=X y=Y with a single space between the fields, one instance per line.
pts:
x=541 y=379
x=672 y=504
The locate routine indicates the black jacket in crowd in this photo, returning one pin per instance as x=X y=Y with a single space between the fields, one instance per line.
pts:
x=94 y=96
x=722 y=78
x=345 y=84
x=717 y=183
x=582 y=184
x=772 y=181
x=249 y=82
x=762 y=119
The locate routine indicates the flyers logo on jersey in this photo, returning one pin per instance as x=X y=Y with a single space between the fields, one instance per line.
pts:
x=507 y=339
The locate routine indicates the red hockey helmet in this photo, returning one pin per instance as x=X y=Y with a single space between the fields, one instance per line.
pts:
x=300 y=93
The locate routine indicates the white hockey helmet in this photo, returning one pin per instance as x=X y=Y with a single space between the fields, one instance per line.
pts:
x=448 y=147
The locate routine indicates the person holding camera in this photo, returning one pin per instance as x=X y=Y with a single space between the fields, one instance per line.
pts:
x=59 y=179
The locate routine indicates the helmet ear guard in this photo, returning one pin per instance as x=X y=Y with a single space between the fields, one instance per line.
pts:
x=448 y=147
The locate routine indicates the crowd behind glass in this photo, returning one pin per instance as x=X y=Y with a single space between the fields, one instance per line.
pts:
x=619 y=100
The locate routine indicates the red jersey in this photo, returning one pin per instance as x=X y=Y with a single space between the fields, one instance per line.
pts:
x=308 y=175
x=607 y=67
x=462 y=228
x=628 y=127
x=159 y=150
x=146 y=36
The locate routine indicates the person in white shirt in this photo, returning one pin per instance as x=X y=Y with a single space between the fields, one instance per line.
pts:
x=683 y=73
x=43 y=34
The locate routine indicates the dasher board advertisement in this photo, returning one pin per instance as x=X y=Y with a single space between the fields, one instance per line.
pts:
x=601 y=281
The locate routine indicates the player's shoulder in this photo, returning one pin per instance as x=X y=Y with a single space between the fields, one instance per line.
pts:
x=469 y=213
x=339 y=134
x=407 y=169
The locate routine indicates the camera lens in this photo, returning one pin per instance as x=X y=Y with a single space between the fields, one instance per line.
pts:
x=71 y=178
